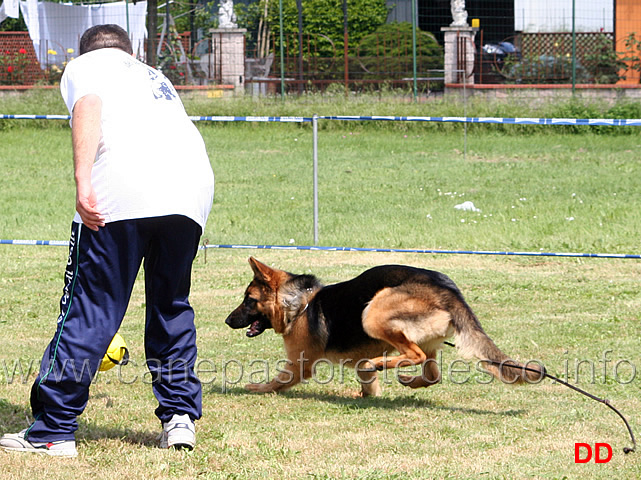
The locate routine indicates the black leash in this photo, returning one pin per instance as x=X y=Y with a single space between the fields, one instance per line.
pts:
x=605 y=401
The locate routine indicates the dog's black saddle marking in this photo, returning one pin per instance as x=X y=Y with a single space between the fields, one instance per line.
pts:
x=341 y=305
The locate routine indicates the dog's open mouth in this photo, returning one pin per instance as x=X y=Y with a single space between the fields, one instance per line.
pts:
x=255 y=329
x=258 y=326
x=255 y=322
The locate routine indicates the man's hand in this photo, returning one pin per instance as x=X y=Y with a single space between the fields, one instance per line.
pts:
x=85 y=136
x=86 y=207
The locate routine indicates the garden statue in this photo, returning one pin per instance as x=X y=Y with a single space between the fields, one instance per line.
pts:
x=226 y=15
x=459 y=14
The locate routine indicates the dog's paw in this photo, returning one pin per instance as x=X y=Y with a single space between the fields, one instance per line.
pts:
x=259 y=387
x=415 y=381
x=406 y=380
x=412 y=381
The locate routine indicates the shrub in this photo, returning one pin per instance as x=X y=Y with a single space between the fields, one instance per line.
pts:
x=325 y=17
x=387 y=52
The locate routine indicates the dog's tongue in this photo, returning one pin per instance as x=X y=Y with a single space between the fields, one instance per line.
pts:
x=254 y=329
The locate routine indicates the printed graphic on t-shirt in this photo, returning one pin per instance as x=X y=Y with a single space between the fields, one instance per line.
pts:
x=160 y=86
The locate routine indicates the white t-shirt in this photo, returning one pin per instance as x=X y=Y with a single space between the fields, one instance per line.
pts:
x=151 y=159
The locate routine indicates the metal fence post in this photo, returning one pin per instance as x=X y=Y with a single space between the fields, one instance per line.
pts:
x=573 y=47
x=315 y=159
x=282 y=54
x=414 y=14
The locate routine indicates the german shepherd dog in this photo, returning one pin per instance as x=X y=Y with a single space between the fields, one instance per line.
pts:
x=389 y=316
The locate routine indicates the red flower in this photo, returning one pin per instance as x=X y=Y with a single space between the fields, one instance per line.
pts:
x=182 y=74
x=172 y=67
x=22 y=51
x=10 y=69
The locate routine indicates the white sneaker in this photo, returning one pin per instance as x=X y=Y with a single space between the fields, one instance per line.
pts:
x=179 y=432
x=15 y=442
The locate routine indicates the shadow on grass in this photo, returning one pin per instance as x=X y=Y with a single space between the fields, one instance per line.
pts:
x=394 y=403
x=90 y=432
x=384 y=403
x=14 y=418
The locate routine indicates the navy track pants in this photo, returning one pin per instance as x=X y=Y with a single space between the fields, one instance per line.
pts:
x=99 y=279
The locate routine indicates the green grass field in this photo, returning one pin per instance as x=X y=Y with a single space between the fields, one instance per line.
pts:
x=389 y=186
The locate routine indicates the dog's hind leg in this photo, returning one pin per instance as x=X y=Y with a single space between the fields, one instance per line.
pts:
x=409 y=352
x=370 y=386
x=378 y=325
x=403 y=318
x=431 y=374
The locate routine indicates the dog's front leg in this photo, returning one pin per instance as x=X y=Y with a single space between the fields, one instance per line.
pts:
x=287 y=378
x=291 y=373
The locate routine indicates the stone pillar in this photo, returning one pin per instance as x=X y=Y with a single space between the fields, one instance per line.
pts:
x=228 y=46
x=460 y=53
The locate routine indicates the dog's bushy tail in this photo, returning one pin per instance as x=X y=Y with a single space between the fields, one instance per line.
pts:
x=472 y=341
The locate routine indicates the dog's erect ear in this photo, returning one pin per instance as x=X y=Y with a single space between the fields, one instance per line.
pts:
x=261 y=270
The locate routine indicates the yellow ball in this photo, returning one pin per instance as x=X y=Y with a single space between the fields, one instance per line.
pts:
x=117 y=354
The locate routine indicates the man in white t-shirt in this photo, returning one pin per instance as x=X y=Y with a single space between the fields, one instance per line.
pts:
x=144 y=189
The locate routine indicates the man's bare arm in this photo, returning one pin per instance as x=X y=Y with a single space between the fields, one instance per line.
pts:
x=85 y=136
